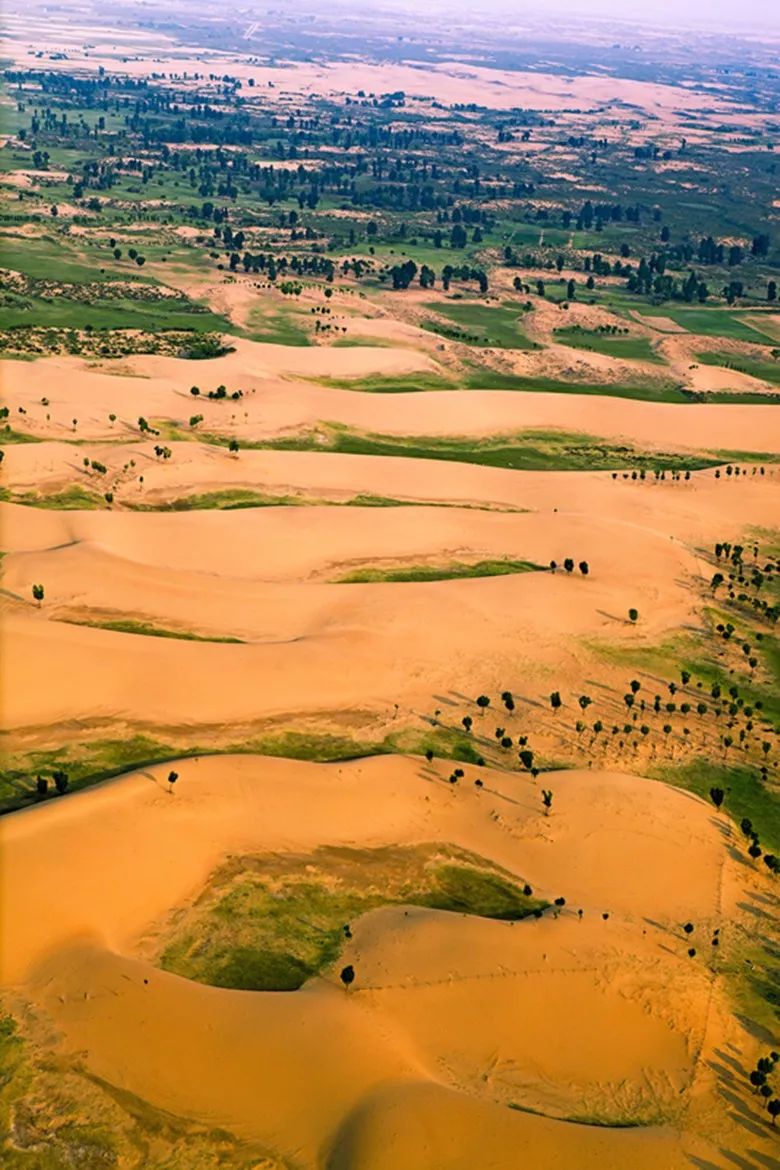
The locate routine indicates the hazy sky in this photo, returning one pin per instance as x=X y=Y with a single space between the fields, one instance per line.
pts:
x=758 y=15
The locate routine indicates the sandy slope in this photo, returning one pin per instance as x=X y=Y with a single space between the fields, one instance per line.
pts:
x=559 y=1015
x=263 y=576
x=270 y=405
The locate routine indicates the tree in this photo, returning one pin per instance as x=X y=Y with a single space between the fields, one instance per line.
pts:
x=37 y=592
x=483 y=702
x=568 y=565
x=547 y=799
x=555 y=701
x=527 y=758
x=633 y=615
x=233 y=446
x=773 y=1109
x=584 y=702
x=348 y=976
x=429 y=754
x=41 y=785
x=172 y=778
x=716 y=796
x=60 y=779
x=466 y=721
x=458 y=237
x=584 y=568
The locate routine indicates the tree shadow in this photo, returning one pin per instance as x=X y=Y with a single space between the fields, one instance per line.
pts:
x=731 y=1061
x=447 y=702
x=737 y=1159
x=755 y=911
x=764 y=1159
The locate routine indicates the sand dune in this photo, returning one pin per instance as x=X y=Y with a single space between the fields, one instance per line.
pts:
x=536 y=1002
x=160 y=388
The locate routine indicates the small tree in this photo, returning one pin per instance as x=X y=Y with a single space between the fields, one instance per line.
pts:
x=172 y=778
x=60 y=779
x=483 y=702
x=584 y=568
x=555 y=701
x=527 y=758
x=41 y=785
x=568 y=565
x=547 y=799
x=467 y=721
x=633 y=616
x=773 y=1109
x=717 y=796
x=347 y=976
x=233 y=446
x=37 y=592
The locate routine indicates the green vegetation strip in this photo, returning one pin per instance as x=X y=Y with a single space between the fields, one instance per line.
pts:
x=270 y=923
x=531 y=450
x=451 y=572
x=148 y=630
x=96 y=760
x=69 y=499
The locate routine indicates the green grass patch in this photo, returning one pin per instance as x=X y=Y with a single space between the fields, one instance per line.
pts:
x=62 y=312
x=148 y=630
x=628 y=348
x=712 y=322
x=643 y=392
x=55 y=258
x=532 y=450
x=227 y=500
x=261 y=925
x=279 y=328
x=453 y=571
x=480 y=325
x=9 y=435
x=93 y=761
x=70 y=499
x=392 y=383
x=746 y=794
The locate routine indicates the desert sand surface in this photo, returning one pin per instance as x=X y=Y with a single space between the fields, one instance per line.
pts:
x=539 y=1004
x=160 y=387
x=388 y=761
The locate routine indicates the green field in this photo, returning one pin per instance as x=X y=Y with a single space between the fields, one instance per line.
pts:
x=278 y=328
x=714 y=322
x=62 y=313
x=481 y=325
x=628 y=348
